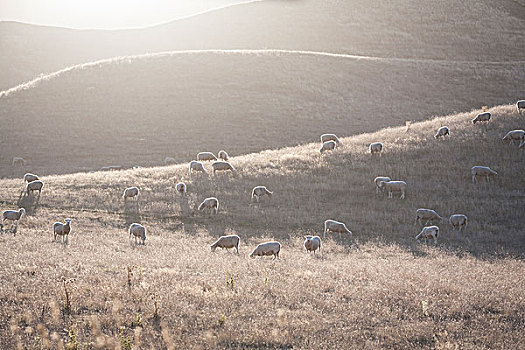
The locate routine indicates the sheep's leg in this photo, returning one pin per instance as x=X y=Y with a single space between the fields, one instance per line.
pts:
x=339 y=235
x=389 y=194
x=402 y=194
x=473 y=178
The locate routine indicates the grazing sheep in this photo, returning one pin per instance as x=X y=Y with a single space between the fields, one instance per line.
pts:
x=131 y=192
x=181 y=188
x=482 y=117
x=442 y=131
x=311 y=244
x=378 y=179
x=268 y=248
x=259 y=191
x=520 y=105
x=169 y=161
x=226 y=242
x=19 y=161
x=12 y=215
x=196 y=166
x=393 y=186
x=481 y=171
x=376 y=147
x=138 y=231
x=62 y=229
x=335 y=226
x=222 y=155
x=222 y=166
x=112 y=168
x=429 y=232
x=206 y=156
x=328 y=146
x=458 y=221
x=210 y=203
x=34 y=186
x=426 y=215
x=28 y=177
x=330 y=137
x=514 y=135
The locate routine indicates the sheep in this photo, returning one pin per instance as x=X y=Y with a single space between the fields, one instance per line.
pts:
x=222 y=155
x=28 y=177
x=12 y=215
x=19 y=161
x=230 y=241
x=268 y=248
x=520 y=105
x=62 y=229
x=392 y=186
x=196 y=166
x=206 y=156
x=34 y=186
x=442 y=131
x=514 y=135
x=131 y=192
x=335 y=226
x=181 y=189
x=328 y=146
x=458 y=221
x=210 y=203
x=426 y=215
x=429 y=232
x=112 y=168
x=481 y=171
x=376 y=147
x=330 y=137
x=379 y=179
x=259 y=191
x=138 y=231
x=311 y=244
x=482 y=117
x=169 y=161
x=221 y=165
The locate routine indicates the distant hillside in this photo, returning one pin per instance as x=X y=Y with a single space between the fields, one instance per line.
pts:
x=447 y=30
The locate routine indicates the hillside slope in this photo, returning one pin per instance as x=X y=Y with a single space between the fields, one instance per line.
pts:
x=446 y=30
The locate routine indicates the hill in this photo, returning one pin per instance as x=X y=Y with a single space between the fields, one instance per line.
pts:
x=380 y=289
x=138 y=110
x=446 y=30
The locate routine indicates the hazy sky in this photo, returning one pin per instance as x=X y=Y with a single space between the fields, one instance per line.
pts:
x=103 y=13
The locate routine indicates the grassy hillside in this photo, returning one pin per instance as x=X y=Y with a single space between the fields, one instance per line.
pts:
x=137 y=111
x=380 y=289
x=446 y=29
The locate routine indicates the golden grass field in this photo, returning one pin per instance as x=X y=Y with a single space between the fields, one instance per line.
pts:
x=380 y=289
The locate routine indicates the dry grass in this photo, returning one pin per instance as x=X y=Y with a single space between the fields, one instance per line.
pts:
x=381 y=290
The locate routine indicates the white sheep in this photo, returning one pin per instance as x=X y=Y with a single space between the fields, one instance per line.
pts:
x=222 y=155
x=335 y=226
x=259 y=191
x=512 y=136
x=222 y=166
x=137 y=231
x=376 y=147
x=211 y=204
x=458 y=221
x=378 y=179
x=19 y=161
x=131 y=192
x=330 y=137
x=268 y=248
x=429 y=232
x=481 y=171
x=482 y=117
x=520 y=105
x=226 y=242
x=442 y=131
x=202 y=156
x=181 y=189
x=28 y=177
x=426 y=215
x=62 y=229
x=393 y=186
x=112 y=168
x=34 y=186
x=196 y=166
x=328 y=146
x=12 y=215
x=170 y=161
x=311 y=244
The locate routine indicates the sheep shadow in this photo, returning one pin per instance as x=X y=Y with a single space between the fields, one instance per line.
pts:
x=29 y=202
x=132 y=213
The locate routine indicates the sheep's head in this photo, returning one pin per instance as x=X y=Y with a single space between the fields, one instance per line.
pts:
x=22 y=212
x=213 y=247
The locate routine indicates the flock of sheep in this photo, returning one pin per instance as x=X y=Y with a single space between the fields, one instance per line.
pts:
x=312 y=243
